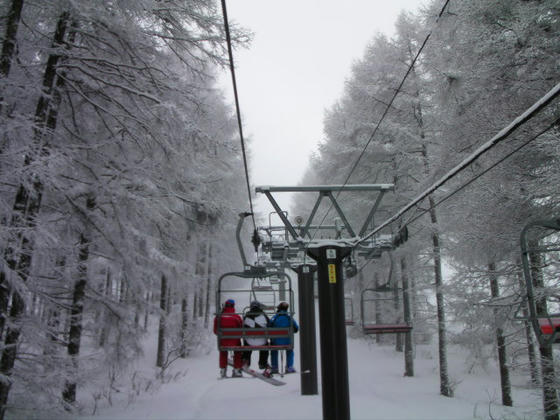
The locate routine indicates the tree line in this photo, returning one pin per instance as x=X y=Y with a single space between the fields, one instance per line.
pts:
x=484 y=64
x=120 y=184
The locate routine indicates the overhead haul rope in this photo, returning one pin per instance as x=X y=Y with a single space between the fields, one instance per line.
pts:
x=502 y=135
x=466 y=184
x=389 y=105
x=238 y=110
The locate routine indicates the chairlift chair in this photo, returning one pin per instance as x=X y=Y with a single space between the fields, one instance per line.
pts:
x=380 y=296
x=546 y=325
x=224 y=293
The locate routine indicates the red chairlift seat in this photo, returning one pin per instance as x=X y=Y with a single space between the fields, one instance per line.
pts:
x=549 y=326
x=381 y=328
x=255 y=332
x=248 y=332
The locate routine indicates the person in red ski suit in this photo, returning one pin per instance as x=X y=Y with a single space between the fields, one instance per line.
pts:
x=229 y=319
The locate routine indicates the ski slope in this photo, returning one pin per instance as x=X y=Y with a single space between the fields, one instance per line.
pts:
x=378 y=390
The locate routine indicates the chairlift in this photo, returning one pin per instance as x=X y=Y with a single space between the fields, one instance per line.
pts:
x=380 y=296
x=349 y=311
x=232 y=291
x=546 y=325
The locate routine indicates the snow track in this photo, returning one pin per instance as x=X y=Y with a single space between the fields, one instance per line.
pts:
x=378 y=390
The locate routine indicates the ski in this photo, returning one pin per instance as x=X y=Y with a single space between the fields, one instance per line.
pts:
x=252 y=372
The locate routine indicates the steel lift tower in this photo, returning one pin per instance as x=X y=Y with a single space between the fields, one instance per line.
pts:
x=329 y=255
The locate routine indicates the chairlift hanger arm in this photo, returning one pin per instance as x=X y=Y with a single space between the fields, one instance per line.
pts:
x=341 y=214
x=242 y=217
x=372 y=212
x=311 y=216
x=280 y=214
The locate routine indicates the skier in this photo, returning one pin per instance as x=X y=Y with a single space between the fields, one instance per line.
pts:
x=282 y=319
x=229 y=319
x=256 y=318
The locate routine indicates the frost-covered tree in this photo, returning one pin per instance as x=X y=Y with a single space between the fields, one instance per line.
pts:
x=485 y=63
x=126 y=144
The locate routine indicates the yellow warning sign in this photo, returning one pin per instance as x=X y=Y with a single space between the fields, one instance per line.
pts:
x=332 y=273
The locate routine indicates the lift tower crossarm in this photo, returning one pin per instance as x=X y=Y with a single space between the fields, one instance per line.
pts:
x=324 y=190
x=331 y=188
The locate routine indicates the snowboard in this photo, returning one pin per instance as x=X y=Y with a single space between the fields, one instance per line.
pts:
x=254 y=373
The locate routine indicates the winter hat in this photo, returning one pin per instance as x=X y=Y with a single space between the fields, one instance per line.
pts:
x=230 y=302
x=283 y=306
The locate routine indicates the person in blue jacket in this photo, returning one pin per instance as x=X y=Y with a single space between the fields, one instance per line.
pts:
x=282 y=319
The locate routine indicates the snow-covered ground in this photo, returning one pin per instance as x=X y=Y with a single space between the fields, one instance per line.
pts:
x=378 y=390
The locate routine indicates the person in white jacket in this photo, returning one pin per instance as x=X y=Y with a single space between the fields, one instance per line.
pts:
x=256 y=318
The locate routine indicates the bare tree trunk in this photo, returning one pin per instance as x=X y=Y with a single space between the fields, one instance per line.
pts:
x=202 y=266
x=200 y=305
x=27 y=203
x=377 y=308
x=162 y=322
x=147 y=312
x=445 y=386
x=9 y=44
x=195 y=304
x=170 y=301
x=184 y=328
x=408 y=349
x=413 y=293
x=550 y=396
x=396 y=305
x=75 y=333
x=197 y=279
x=54 y=318
x=361 y=287
x=105 y=325
x=19 y=251
x=122 y=290
x=209 y=287
x=500 y=339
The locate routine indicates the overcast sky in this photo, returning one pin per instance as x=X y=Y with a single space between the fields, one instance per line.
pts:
x=295 y=68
